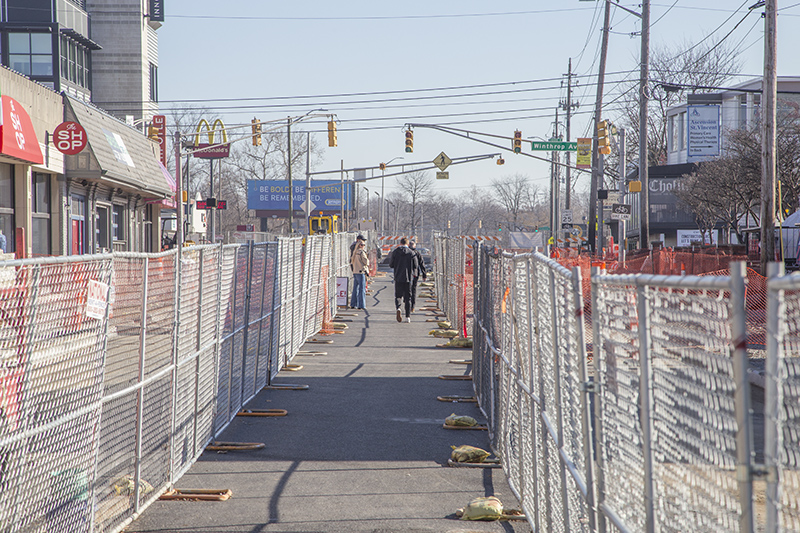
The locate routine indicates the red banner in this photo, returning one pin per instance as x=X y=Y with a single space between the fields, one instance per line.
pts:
x=17 y=137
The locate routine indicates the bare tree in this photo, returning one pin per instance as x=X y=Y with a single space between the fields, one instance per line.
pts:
x=515 y=195
x=684 y=69
x=416 y=187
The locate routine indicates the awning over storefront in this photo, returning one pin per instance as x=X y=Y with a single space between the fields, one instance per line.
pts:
x=17 y=136
x=116 y=153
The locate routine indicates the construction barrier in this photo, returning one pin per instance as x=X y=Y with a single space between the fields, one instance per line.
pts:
x=116 y=371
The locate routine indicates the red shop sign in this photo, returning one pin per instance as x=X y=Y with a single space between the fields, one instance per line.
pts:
x=70 y=138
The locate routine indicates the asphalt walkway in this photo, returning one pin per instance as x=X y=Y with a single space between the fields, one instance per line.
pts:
x=363 y=449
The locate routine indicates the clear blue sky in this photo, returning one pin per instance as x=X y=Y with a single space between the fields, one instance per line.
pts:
x=482 y=66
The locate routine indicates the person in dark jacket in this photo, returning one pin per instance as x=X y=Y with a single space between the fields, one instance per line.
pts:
x=420 y=272
x=404 y=263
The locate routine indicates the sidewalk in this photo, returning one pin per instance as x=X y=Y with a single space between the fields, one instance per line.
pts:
x=363 y=449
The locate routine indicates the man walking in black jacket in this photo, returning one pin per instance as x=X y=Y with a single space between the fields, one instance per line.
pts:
x=420 y=272
x=405 y=265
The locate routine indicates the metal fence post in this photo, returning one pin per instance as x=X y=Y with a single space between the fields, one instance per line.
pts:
x=585 y=406
x=533 y=331
x=200 y=301
x=175 y=352
x=137 y=475
x=246 y=319
x=543 y=404
x=744 y=437
x=773 y=397
x=556 y=332
x=646 y=404
x=600 y=486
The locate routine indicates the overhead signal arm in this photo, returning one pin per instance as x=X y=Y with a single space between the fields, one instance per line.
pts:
x=467 y=134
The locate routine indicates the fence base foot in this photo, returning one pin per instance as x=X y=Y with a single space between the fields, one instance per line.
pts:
x=207 y=495
x=219 y=446
x=460 y=361
x=488 y=463
x=262 y=412
x=292 y=367
x=445 y=426
x=319 y=341
x=457 y=377
x=285 y=387
x=471 y=399
x=312 y=353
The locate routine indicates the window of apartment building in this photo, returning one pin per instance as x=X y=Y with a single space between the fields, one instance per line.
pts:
x=74 y=62
x=7 y=205
x=30 y=53
x=756 y=107
x=742 y=111
x=40 y=214
x=118 y=222
x=681 y=131
x=153 y=83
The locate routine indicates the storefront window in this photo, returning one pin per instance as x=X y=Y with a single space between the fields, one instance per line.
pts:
x=31 y=53
x=7 y=207
x=40 y=214
x=118 y=222
x=101 y=226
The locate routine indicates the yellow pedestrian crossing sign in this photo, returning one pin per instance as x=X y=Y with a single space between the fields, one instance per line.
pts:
x=442 y=161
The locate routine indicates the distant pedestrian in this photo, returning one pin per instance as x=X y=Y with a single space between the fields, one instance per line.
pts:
x=420 y=272
x=359 y=262
x=404 y=263
x=359 y=239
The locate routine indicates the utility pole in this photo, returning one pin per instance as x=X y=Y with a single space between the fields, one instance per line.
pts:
x=556 y=188
x=598 y=109
x=289 y=157
x=769 y=88
x=644 y=217
x=568 y=106
x=621 y=222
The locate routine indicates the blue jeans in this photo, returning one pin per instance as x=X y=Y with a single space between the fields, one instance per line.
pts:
x=359 y=297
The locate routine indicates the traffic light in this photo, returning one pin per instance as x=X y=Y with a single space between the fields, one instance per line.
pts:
x=517 y=143
x=409 y=141
x=256 y=129
x=332 y=133
x=603 y=146
x=152 y=132
x=500 y=161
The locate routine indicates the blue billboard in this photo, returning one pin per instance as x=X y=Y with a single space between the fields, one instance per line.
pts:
x=273 y=195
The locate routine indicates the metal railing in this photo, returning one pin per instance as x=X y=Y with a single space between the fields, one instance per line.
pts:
x=102 y=411
x=651 y=426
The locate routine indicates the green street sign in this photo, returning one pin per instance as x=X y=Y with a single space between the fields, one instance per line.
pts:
x=554 y=146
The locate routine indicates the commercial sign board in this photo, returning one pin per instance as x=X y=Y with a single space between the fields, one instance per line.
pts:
x=688 y=236
x=70 y=138
x=211 y=149
x=17 y=136
x=157 y=10
x=584 y=157
x=160 y=124
x=273 y=195
x=703 y=132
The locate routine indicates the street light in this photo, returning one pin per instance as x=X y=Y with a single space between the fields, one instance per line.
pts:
x=369 y=216
x=383 y=171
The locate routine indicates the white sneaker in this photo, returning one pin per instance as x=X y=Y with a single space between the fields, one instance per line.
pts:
x=408 y=319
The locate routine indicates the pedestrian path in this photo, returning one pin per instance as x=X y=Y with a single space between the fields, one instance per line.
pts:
x=363 y=449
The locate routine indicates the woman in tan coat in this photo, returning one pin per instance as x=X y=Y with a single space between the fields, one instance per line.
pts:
x=360 y=264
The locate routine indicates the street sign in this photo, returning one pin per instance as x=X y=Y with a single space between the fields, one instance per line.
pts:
x=566 y=226
x=566 y=216
x=442 y=175
x=311 y=206
x=442 y=161
x=554 y=146
x=620 y=212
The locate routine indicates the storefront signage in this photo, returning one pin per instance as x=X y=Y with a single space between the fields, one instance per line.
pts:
x=703 y=132
x=157 y=10
x=159 y=123
x=17 y=136
x=70 y=138
x=209 y=150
